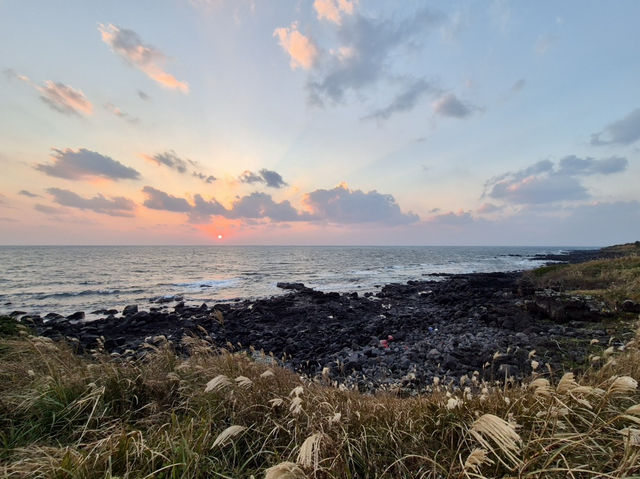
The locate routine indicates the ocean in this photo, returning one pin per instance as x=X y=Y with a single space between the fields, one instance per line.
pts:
x=66 y=279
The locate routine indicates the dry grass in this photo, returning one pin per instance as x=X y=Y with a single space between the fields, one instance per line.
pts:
x=612 y=280
x=65 y=416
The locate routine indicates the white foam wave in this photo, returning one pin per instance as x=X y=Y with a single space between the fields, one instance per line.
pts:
x=209 y=283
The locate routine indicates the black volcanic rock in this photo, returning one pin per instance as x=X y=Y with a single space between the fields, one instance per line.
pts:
x=130 y=309
x=292 y=286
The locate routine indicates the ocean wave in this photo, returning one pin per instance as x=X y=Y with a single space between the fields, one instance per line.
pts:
x=87 y=292
x=209 y=283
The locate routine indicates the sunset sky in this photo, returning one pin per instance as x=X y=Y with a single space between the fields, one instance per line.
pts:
x=319 y=122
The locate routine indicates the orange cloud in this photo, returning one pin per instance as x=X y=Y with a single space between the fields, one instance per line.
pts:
x=129 y=46
x=302 y=51
x=332 y=9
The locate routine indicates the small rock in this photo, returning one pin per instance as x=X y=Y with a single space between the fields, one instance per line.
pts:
x=130 y=309
x=291 y=286
x=629 y=306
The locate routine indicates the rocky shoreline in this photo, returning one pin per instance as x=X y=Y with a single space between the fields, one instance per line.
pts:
x=399 y=338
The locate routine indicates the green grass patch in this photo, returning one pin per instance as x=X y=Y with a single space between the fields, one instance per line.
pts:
x=612 y=280
x=8 y=327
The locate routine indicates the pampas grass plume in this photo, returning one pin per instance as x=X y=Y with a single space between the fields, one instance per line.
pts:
x=623 y=385
x=276 y=402
x=477 y=458
x=489 y=427
x=634 y=410
x=284 y=470
x=567 y=383
x=244 y=381
x=309 y=455
x=217 y=383
x=296 y=391
x=540 y=387
x=227 y=434
x=296 y=405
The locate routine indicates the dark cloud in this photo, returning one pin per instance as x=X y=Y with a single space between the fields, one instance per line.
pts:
x=452 y=219
x=261 y=205
x=572 y=165
x=47 y=210
x=343 y=205
x=272 y=179
x=143 y=95
x=540 y=189
x=622 y=132
x=587 y=224
x=64 y=99
x=449 y=105
x=83 y=163
x=205 y=178
x=269 y=177
x=114 y=206
x=28 y=193
x=405 y=100
x=544 y=183
x=250 y=207
x=173 y=161
x=111 y=108
x=250 y=177
x=169 y=159
x=159 y=200
x=202 y=210
x=488 y=208
x=369 y=45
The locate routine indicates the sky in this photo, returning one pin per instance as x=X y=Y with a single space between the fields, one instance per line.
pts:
x=320 y=122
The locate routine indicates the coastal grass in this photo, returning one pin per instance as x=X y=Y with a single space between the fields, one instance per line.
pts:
x=219 y=413
x=612 y=279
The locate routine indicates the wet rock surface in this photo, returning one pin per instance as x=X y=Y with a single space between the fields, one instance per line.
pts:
x=403 y=336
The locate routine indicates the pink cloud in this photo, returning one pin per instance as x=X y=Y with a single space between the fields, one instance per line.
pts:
x=302 y=51
x=147 y=58
x=332 y=10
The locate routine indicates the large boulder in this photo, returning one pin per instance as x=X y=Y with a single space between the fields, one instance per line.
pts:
x=564 y=308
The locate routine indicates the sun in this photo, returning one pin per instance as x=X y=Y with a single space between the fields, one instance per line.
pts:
x=219 y=236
